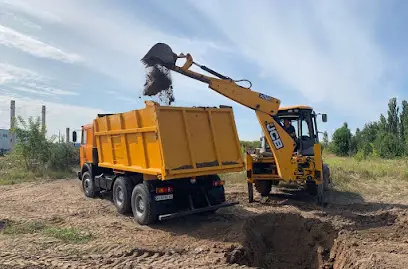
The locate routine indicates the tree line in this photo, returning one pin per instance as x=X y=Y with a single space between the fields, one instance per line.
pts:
x=386 y=138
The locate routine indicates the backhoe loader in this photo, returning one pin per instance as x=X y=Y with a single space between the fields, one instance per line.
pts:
x=283 y=157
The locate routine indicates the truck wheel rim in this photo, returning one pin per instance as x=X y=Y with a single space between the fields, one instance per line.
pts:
x=119 y=196
x=87 y=184
x=140 y=205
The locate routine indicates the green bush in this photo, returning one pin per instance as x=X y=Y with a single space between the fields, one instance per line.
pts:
x=35 y=155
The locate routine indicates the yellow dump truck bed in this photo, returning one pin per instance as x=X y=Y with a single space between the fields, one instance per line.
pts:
x=169 y=142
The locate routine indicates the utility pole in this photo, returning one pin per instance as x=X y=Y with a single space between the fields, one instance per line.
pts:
x=12 y=124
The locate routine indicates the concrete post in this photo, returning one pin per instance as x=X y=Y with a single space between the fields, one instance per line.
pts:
x=12 y=123
x=43 y=117
x=67 y=135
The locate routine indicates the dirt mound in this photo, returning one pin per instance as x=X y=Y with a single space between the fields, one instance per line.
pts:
x=284 y=241
x=159 y=83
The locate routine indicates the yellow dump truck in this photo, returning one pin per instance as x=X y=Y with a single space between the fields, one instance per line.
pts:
x=160 y=161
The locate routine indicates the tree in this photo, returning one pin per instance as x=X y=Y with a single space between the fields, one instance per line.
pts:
x=341 y=142
x=355 y=142
x=383 y=124
x=388 y=145
x=404 y=122
x=393 y=117
x=325 y=139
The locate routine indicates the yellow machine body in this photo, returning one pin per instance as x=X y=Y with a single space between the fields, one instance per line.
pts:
x=166 y=142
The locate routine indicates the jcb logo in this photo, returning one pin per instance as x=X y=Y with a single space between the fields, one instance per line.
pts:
x=273 y=133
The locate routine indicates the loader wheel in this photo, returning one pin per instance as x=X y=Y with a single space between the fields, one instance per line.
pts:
x=122 y=193
x=143 y=206
x=88 y=185
x=263 y=187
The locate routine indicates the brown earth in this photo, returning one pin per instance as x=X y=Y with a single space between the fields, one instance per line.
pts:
x=159 y=83
x=287 y=231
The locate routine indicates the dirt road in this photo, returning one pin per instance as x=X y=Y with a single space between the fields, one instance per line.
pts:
x=286 y=232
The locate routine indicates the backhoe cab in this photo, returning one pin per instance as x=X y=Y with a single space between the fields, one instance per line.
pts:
x=287 y=159
x=261 y=165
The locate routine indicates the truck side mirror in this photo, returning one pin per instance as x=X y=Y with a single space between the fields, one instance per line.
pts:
x=324 y=117
x=74 y=136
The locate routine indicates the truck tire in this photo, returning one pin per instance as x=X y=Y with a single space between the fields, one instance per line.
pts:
x=88 y=185
x=121 y=194
x=263 y=187
x=143 y=206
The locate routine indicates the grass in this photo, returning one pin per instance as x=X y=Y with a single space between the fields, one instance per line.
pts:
x=373 y=178
x=13 y=172
x=67 y=235
x=13 y=228
x=234 y=178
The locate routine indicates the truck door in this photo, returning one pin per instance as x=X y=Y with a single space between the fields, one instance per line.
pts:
x=82 y=151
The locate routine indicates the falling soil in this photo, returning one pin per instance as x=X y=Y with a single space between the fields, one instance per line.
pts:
x=159 y=83
x=284 y=241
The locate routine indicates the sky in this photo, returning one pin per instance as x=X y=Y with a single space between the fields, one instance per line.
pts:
x=79 y=58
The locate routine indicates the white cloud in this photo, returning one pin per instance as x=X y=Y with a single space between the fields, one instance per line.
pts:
x=15 y=39
x=58 y=116
x=24 y=80
x=322 y=52
x=110 y=42
x=30 y=9
x=7 y=16
x=11 y=73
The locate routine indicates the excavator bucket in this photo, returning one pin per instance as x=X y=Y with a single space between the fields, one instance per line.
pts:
x=160 y=54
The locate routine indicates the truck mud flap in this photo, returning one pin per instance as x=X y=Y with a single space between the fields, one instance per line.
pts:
x=195 y=211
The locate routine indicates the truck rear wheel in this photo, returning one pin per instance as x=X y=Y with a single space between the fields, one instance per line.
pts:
x=263 y=187
x=122 y=193
x=143 y=206
x=88 y=185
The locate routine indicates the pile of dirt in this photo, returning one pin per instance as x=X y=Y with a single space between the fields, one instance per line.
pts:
x=159 y=83
x=285 y=241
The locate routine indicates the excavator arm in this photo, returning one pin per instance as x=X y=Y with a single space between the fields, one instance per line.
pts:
x=266 y=107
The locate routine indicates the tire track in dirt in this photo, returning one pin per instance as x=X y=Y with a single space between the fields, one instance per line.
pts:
x=201 y=242
x=134 y=258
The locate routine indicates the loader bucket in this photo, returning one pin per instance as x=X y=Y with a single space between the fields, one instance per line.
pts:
x=160 y=54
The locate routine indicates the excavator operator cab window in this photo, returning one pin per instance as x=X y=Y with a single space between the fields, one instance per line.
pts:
x=306 y=132
x=303 y=120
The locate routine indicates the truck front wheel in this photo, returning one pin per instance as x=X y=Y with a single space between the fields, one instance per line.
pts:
x=143 y=206
x=122 y=193
x=88 y=185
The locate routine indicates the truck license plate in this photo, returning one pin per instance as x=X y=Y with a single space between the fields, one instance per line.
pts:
x=163 y=197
